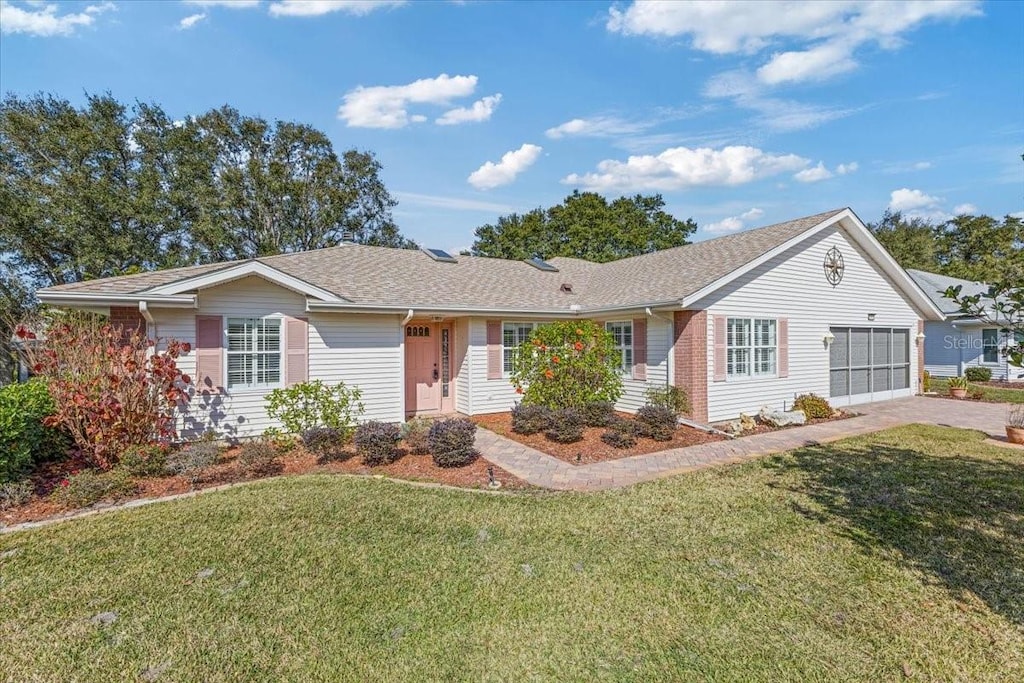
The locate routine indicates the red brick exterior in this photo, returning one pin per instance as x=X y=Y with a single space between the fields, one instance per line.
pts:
x=127 y=318
x=690 y=341
x=920 y=357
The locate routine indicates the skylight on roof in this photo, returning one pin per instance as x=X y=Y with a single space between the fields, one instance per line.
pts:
x=540 y=264
x=439 y=255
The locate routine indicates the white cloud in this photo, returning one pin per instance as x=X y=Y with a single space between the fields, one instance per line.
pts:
x=843 y=169
x=922 y=165
x=908 y=200
x=828 y=33
x=315 y=8
x=231 y=4
x=492 y=175
x=44 y=21
x=813 y=174
x=457 y=203
x=968 y=209
x=1017 y=214
x=191 y=20
x=597 y=127
x=384 y=106
x=734 y=223
x=681 y=167
x=480 y=110
x=773 y=113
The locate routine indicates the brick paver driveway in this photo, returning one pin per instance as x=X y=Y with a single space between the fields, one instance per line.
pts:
x=543 y=470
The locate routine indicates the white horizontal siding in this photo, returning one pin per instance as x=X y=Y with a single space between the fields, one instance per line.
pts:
x=792 y=285
x=460 y=363
x=498 y=395
x=360 y=350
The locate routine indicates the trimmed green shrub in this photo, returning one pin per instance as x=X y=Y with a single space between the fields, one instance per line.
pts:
x=326 y=443
x=377 y=442
x=617 y=439
x=15 y=493
x=568 y=364
x=673 y=398
x=144 y=461
x=259 y=458
x=598 y=413
x=624 y=425
x=193 y=458
x=976 y=373
x=658 y=422
x=813 y=406
x=414 y=435
x=452 y=442
x=314 y=404
x=527 y=419
x=91 y=486
x=24 y=439
x=566 y=426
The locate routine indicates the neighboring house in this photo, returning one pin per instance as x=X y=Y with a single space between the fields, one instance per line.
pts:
x=741 y=321
x=959 y=341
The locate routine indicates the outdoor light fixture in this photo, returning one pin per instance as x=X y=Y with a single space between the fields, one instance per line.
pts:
x=919 y=338
x=871 y=316
x=828 y=338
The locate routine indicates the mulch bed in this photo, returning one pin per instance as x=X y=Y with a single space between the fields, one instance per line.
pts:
x=227 y=470
x=591 y=449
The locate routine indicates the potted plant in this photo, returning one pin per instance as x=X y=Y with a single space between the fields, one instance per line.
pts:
x=1015 y=424
x=958 y=387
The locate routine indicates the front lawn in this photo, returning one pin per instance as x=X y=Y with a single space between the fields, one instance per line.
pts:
x=895 y=556
x=990 y=393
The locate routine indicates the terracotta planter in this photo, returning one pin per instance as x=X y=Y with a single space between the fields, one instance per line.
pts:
x=1015 y=434
x=958 y=393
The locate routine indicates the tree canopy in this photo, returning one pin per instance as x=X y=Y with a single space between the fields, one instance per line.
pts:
x=108 y=189
x=587 y=226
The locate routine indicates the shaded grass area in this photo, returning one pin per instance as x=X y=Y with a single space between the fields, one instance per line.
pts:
x=870 y=559
x=991 y=393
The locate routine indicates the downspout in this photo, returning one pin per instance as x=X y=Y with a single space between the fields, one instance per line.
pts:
x=147 y=315
x=401 y=359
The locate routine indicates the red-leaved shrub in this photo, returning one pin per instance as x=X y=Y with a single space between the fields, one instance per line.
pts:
x=112 y=387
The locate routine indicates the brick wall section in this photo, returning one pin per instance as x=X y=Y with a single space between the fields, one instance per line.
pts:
x=690 y=341
x=127 y=318
x=920 y=357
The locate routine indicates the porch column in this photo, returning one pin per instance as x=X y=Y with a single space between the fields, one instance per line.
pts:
x=690 y=341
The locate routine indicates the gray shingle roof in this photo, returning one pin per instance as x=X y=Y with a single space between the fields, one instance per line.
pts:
x=379 y=276
x=934 y=285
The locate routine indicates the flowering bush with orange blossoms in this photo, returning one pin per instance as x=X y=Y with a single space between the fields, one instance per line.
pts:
x=112 y=388
x=567 y=364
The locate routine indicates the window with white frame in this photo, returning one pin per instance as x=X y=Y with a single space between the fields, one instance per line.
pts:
x=622 y=333
x=990 y=345
x=512 y=336
x=254 y=352
x=752 y=347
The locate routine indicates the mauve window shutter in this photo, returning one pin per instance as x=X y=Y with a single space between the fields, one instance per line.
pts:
x=783 y=347
x=721 y=355
x=209 y=350
x=494 y=356
x=296 y=339
x=640 y=349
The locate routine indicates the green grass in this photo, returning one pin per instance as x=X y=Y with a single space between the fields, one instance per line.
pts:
x=996 y=394
x=870 y=559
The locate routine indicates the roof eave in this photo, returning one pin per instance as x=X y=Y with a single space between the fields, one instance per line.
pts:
x=79 y=299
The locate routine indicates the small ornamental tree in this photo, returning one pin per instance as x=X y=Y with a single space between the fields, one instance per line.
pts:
x=111 y=387
x=568 y=364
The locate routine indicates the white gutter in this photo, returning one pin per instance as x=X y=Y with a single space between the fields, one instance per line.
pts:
x=81 y=299
x=344 y=307
x=146 y=313
x=408 y=317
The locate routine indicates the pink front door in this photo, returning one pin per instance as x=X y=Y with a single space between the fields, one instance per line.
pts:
x=422 y=371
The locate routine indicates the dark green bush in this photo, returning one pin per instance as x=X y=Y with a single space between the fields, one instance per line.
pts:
x=617 y=439
x=24 y=440
x=452 y=442
x=259 y=458
x=598 y=413
x=813 y=406
x=624 y=425
x=566 y=426
x=673 y=398
x=527 y=419
x=193 y=458
x=91 y=486
x=414 y=435
x=658 y=422
x=377 y=442
x=144 y=461
x=326 y=443
x=976 y=373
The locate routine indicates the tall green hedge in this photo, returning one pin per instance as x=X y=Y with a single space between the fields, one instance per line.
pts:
x=24 y=439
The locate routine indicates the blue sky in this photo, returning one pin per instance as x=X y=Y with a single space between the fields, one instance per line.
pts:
x=739 y=114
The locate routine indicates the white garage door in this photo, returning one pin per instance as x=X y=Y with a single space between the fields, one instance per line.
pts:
x=869 y=364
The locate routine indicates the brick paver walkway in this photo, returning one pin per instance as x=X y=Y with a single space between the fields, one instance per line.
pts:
x=543 y=470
